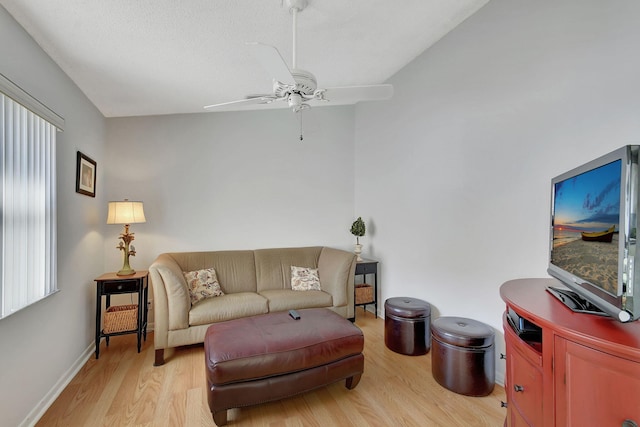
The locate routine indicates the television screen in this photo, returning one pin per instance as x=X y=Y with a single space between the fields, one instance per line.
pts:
x=592 y=237
x=586 y=222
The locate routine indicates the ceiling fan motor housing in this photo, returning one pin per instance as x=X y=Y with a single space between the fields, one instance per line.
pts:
x=305 y=81
x=305 y=84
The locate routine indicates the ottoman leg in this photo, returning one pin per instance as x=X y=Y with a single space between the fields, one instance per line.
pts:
x=352 y=382
x=220 y=418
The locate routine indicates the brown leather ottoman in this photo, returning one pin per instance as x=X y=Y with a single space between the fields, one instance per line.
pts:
x=272 y=356
x=463 y=355
x=407 y=325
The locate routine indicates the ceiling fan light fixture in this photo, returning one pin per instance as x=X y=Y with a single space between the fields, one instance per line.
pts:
x=296 y=102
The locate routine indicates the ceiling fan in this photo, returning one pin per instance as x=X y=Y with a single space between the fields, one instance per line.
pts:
x=299 y=87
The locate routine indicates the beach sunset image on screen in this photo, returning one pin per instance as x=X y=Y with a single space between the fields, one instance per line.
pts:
x=586 y=215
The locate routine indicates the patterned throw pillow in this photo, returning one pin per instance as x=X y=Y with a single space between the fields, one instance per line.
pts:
x=202 y=284
x=305 y=279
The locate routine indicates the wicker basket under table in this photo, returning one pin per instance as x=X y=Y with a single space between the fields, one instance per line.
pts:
x=120 y=318
x=364 y=293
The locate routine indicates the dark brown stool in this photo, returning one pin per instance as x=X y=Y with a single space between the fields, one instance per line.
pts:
x=407 y=326
x=462 y=359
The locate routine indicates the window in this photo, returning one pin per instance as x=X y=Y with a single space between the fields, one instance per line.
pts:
x=27 y=200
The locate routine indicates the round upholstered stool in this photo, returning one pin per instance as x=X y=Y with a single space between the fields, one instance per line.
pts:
x=407 y=325
x=462 y=359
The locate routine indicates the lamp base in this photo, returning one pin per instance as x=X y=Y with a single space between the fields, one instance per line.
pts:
x=126 y=272
x=127 y=238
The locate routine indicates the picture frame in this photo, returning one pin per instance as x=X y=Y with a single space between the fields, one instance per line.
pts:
x=85 y=175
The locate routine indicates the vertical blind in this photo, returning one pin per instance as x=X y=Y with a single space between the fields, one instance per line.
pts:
x=28 y=202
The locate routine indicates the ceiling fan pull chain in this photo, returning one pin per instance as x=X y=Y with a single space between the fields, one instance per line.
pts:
x=300 y=114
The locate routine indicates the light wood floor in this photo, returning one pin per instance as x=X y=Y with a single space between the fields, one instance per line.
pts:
x=123 y=388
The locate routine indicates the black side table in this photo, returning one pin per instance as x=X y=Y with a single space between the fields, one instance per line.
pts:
x=364 y=267
x=111 y=284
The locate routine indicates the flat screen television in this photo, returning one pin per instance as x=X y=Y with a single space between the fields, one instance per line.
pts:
x=593 y=236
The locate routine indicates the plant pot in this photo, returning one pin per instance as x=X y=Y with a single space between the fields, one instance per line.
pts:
x=358 y=251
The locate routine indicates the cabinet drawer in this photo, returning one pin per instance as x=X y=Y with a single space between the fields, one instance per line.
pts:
x=525 y=386
x=120 y=286
x=366 y=268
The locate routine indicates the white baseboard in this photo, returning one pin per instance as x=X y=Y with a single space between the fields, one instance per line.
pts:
x=500 y=378
x=38 y=411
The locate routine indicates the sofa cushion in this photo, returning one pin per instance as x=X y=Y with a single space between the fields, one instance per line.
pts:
x=287 y=299
x=304 y=279
x=202 y=284
x=273 y=266
x=227 y=307
x=236 y=270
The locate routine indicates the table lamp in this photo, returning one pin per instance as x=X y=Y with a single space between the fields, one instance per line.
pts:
x=126 y=213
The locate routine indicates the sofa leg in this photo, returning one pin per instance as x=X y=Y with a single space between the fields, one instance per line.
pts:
x=352 y=382
x=159 y=357
x=220 y=418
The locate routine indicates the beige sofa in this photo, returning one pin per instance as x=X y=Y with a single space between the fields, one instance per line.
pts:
x=253 y=281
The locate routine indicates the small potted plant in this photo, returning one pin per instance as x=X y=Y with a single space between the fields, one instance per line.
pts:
x=358 y=229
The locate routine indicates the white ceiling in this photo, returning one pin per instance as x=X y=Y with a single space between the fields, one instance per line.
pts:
x=147 y=57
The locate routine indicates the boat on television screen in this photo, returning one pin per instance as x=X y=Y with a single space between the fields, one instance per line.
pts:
x=599 y=236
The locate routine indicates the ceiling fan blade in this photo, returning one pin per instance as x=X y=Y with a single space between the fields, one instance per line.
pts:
x=248 y=101
x=273 y=62
x=353 y=94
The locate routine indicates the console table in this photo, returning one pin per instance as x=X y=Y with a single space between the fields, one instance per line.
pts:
x=364 y=267
x=111 y=284
x=565 y=368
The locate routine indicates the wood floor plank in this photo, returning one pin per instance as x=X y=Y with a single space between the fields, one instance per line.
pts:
x=123 y=388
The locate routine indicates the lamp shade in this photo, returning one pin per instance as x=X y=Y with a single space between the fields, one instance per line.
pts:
x=125 y=212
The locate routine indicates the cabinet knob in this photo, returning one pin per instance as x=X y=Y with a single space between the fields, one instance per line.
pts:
x=503 y=356
x=518 y=388
x=629 y=423
x=503 y=404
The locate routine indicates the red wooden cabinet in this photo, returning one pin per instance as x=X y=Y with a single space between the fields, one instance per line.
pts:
x=576 y=370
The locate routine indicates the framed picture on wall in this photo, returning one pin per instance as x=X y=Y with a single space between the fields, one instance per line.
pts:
x=85 y=175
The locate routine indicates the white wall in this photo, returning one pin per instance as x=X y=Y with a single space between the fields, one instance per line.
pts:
x=235 y=180
x=454 y=173
x=42 y=344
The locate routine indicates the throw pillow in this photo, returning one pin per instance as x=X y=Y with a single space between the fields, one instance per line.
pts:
x=305 y=279
x=202 y=284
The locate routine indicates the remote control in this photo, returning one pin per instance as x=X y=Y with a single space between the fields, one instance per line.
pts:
x=294 y=314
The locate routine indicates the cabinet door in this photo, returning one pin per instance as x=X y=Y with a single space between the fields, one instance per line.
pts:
x=594 y=388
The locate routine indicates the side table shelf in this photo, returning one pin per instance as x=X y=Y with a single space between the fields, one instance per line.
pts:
x=363 y=268
x=111 y=284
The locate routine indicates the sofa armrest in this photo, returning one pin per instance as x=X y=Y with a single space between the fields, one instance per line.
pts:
x=171 y=299
x=336 y=269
